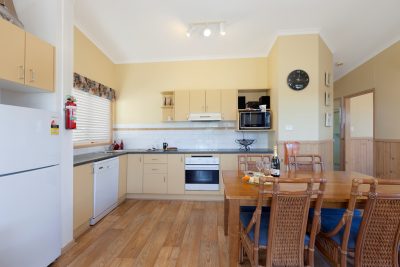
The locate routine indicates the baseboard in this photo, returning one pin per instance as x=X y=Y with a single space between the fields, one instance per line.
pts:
x=176 y=197
x=68 y=246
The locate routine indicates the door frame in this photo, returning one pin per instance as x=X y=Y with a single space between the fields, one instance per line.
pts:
x=346 y=122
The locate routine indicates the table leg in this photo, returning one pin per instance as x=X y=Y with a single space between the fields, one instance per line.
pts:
x=226 y=214
x=233 y=232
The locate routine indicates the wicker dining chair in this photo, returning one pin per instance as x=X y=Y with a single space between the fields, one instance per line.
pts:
x=306 y=162
x=374 y=236
x=282 y=230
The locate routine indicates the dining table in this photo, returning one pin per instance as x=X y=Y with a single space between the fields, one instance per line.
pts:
x=239 y=193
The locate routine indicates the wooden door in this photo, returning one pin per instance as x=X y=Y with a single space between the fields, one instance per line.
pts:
x=182 y=100
x=83 y=195
x=134 y=183
x=176 y=174
x=229 y=105
x=155 y=183
x=197 y=101
x=39 y=63
x=123 y=168
x=394 y=160
x=12 y=52
x=213 y=101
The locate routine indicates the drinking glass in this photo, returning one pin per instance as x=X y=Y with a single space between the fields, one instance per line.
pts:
x=259 y=165
x=267 y=167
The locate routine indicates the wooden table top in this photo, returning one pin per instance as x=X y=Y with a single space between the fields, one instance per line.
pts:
x=337 y=189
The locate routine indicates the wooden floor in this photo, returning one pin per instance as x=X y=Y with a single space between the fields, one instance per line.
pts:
x=155 y=233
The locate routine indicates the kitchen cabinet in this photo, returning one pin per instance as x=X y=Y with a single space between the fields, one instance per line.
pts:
x=39 y=63
x=25 y=59
x=181 y=106
x=176 y=174
x=227 y=162
x=155 y=178
x=135 y=174
x=229 y=105
x=122 y=181
x=205 y=101
x=82 y=197
x=197 y=102
x=12 y=52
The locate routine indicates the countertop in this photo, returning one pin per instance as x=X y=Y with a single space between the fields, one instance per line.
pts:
x=98 y=156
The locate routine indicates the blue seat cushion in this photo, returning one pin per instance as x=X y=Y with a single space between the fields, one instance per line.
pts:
x=253 y=208
x=245 y=218
x=331 y=217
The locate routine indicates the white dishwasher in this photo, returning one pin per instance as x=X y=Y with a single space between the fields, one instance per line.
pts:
x=105 y=191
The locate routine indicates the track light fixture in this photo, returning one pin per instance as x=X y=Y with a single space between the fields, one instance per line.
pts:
x=206 y=28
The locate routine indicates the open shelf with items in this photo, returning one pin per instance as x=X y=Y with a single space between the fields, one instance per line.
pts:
x=167 y=105
x=249 y=98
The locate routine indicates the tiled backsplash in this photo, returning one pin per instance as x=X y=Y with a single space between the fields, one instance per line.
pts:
x=212 y=135
x=184 y=135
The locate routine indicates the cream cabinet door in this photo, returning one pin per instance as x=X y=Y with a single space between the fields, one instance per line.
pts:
x=181 y=107
x=213 y=100
x=197 y=101
x=83 y=195
x=229 y=105
x=228 y=162
x=134 y=183
x=12 y=52
x=176 y=174
x=123 y=168
x=39 y=63
x=155 y=183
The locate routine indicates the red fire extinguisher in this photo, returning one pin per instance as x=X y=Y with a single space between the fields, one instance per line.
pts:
x=70 y=113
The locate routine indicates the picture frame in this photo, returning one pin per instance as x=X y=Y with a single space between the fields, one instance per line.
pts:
x=328 y=99
x=328 y=79
x=328 y=119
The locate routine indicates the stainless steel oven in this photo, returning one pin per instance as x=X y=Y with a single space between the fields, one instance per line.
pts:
x=202 y=173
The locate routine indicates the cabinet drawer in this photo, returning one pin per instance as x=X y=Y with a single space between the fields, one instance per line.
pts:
x=155 y=158
x=155 y=168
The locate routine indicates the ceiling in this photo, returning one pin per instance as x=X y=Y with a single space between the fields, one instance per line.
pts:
x=131 y=31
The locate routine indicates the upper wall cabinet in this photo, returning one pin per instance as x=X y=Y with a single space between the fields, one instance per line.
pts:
x=25 y=59
x=205 y=101
x=181 y=105
x=229 y=105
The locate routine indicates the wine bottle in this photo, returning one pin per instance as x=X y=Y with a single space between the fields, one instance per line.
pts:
x=275 y=164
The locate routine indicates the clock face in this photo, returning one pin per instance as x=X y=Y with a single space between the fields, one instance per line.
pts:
x=298 y=80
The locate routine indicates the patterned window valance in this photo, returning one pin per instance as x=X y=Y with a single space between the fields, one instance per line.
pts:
x=92 y=87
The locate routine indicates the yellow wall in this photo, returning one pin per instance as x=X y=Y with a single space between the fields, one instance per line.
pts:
x=90 y=62
x=139 y=99
x=381 y=73
x=302 y=110
x=362 y=112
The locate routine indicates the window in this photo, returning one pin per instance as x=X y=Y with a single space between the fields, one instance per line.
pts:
x=93 y=119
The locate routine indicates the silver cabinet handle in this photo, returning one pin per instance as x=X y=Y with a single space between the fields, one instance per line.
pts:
x=164 y=179
x=32 y=72
x=154 y=169
x=21 y=72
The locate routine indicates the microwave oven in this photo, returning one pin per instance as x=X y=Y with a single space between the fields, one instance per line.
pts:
x=254 y=120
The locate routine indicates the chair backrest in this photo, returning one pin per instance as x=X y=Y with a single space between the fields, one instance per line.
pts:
x=306 y=162
x=291 y=149
x=288 y=221
x=378 y=237
x=247 y=162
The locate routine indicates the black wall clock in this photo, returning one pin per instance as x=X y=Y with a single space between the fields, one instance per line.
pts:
x=298 y=80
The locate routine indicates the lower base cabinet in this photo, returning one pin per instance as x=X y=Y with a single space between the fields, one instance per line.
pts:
x=82 y=197
x=155 y=183
x=122 y=183
x=134 y=183
x=176 y=174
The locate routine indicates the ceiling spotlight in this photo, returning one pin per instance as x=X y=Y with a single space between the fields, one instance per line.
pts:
x=339 y=64
x=189 y=31
x=222 y=28
x=207 y=32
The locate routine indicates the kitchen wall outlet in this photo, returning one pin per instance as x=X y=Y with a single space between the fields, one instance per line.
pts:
x=289 y=127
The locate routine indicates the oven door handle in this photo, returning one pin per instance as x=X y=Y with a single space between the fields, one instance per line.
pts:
x=202 y=167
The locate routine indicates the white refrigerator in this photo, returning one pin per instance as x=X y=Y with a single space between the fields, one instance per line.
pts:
x=30 y=217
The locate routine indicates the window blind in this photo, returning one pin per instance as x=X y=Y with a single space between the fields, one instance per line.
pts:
x=93 y=121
